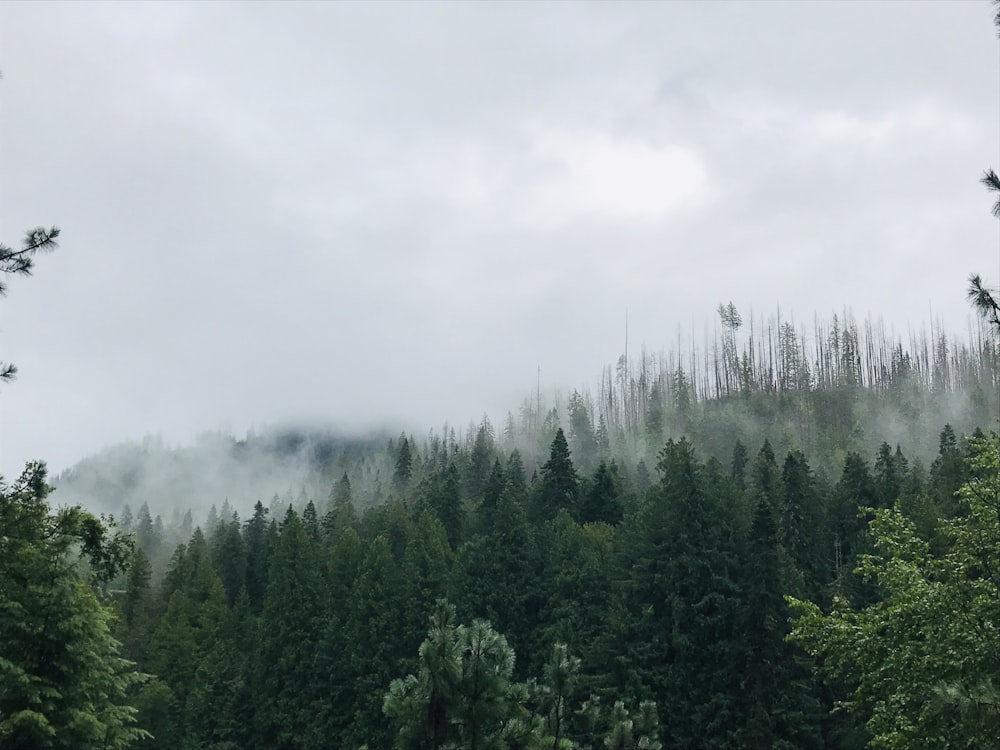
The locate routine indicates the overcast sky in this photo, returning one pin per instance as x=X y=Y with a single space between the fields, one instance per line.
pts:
x=393 y=214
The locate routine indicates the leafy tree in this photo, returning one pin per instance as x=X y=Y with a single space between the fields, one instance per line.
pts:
x=921 y=661
x=63 y=683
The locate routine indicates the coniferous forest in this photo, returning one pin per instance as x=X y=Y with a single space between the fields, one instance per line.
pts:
x=774 y=535
x=764 y=545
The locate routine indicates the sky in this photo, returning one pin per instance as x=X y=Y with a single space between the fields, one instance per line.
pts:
x=397 y=214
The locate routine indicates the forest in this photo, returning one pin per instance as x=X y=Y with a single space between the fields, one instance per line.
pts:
x=769 y=535
x=757 y=545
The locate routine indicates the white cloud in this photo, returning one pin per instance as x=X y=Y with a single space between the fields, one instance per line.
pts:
x=843 y=125
x=621 y=180
x=923 y=119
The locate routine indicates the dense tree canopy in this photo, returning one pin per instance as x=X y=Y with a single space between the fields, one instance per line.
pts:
x=63 y=683
x=922 y=661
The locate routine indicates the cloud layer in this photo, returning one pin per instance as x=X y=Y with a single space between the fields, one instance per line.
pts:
x=395 y=213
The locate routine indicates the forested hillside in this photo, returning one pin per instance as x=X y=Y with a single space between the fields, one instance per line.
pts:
x=609 y=570
x=767 y=535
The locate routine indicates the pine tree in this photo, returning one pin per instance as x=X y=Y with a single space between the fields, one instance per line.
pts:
x=463 y=694
x=21 y=262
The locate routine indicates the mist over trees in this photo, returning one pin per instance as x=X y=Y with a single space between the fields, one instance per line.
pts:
x=678 y=562
x=63 y=681
x=719 y=548
x=776 y=535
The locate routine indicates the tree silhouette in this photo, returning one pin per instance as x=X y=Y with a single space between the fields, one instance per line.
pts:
x=20 y=262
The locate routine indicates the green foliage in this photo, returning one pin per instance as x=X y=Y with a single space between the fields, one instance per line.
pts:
x=921 y=661
x=559 y=486
x=463 y=695
x=63 y=683
x=286 y=681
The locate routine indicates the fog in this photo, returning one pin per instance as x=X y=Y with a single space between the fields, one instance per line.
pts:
x=389 y=216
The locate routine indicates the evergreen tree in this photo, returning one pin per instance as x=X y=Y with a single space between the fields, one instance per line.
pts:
x=739 y=464
x=683 y=565
x=600 y=502
x=505 y=557
x=854 y=492
x=286 y=683
x=21 y=262
x=559 y=486
x=463 y=694
x=890 y=468
x=782 y=706
x=256 y=539
x=136 y=609
x=403 y=469
x=920 y=663
x=479 y=460
x=949 y=472
x=342 y=513
x=492 y=492
x=376 y=620
x=582 y=432
x=560 y=676
x=800 y=524
x=335 y=650
x=230 y=558
x=63 y=683
x=195 y=610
